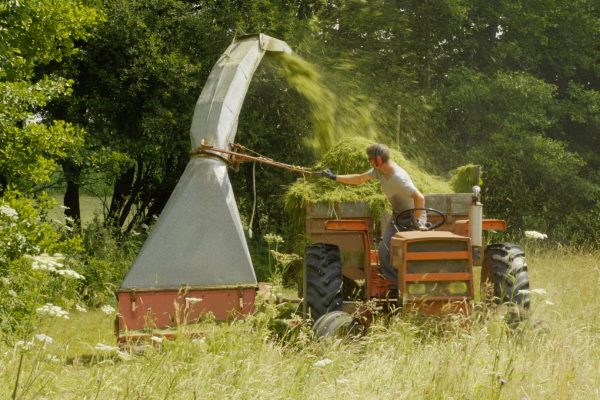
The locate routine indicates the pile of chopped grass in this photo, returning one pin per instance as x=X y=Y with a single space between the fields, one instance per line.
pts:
x=349 y=157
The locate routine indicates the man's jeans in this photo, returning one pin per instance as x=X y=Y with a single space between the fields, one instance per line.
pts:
x=385 y=246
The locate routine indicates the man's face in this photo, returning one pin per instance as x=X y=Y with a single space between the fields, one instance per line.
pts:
x=373 y=163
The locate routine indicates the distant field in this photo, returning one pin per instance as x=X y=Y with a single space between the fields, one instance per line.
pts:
x=554 y=356
x=91 y=205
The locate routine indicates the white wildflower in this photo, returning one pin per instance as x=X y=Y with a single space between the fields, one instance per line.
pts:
x=44 y=338
x=45 y=262
x=123 y=355
x=535 y=235
x=20 y=239
x=53 y=311
x=157 y=339
x=25 y=345
x=192 y=300
x=200 y=342
x=53 y=264
x=323 y=362
x=69 y=273
x=52 y=358
x=80 y=308
x=106 y=347
x=5 y=280
x=539 y=291
x=42 y=267
x=107 y=309
x=9 y=212
x=12 y=293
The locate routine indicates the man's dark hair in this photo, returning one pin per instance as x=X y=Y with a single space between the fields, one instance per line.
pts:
x=378 y=149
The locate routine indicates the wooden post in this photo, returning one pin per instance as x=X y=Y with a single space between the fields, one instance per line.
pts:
x=398 y=118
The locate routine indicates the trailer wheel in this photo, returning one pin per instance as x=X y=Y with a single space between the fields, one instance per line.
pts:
x=323 y=269
x=336 y=324
x=504 y=276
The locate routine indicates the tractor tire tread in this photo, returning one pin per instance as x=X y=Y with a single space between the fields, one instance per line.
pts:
x=505 y=268
x=323 y=269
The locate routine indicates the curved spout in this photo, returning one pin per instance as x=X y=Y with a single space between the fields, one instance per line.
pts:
x=218 y=107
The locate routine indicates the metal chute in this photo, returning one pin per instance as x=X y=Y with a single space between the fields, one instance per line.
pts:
x=198 y=241
x=218 y=107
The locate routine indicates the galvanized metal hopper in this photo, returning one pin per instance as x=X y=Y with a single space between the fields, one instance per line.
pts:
x=196 y=259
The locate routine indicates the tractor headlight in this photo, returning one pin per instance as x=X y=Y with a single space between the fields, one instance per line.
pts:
x=458 y=288
x=417 y=289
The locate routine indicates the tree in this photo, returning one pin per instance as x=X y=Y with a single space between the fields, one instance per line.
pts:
x=137 y=82
x=34 y=34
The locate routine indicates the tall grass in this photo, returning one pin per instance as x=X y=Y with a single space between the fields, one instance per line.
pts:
x=555 y=355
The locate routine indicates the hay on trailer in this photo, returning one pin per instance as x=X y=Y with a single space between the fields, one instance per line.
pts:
x=349 y=157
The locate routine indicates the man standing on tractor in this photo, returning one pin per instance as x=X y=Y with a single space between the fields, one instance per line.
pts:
x=401 y=193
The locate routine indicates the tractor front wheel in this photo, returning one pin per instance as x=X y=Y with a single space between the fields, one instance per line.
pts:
x=504 y=276
x=337 y=324
x=323 y=269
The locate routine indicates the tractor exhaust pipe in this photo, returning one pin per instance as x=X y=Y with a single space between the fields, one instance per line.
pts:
x=476 y=218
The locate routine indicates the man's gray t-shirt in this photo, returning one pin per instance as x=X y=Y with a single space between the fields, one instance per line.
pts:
x=398 y=187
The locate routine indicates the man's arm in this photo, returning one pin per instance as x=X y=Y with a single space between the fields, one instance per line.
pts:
x=419 y=201
x=354 y=179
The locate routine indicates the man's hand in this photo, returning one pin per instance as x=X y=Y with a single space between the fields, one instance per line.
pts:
x=327 y=172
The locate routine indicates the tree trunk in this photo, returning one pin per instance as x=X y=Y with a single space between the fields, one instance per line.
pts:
x=71 y=199
x=121 y=192
x=3 y=184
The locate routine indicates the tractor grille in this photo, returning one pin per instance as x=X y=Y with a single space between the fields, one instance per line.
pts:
x=437 y=266
x=437 y=245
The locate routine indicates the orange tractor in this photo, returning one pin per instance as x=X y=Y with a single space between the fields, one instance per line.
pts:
x=435 y=267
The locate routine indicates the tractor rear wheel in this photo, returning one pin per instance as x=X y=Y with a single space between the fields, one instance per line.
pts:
x=323 y=269
x=504 y=276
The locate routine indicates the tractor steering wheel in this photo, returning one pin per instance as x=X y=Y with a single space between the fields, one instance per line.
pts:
x=406 y=219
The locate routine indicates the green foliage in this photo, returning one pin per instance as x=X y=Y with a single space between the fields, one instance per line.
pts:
x=544 y=186
x=108 y=256
x=31 y=152
x=38 y=32
x=34 y=34
x=38 y=262
x=503 y=123
x=43 y=261
x=137 y=103
x=279 y=262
